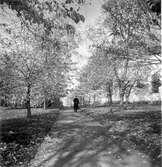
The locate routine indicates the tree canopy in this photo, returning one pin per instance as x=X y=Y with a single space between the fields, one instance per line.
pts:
x=125 y=46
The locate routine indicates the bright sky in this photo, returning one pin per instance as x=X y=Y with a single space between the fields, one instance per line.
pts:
x=91 y=12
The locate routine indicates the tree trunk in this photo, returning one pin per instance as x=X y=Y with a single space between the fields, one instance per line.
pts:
x=28 y=101
x=127 y=100
x=83 y=101
x=109 y=92
x=129 y=92
x=127 y=96
x=5 y=104
x=109 y=96
x=121 y=94
x=121 y=99
x=94 y=99
x=44 y=104
x=89 y=100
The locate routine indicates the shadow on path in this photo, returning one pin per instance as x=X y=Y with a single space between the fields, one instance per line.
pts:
x=80 y=141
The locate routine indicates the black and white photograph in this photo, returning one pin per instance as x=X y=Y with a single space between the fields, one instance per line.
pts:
x=80 y=83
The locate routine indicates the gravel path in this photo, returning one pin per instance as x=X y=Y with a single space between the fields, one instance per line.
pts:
x=77 y=140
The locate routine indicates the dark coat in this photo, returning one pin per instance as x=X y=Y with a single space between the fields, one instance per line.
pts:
x=76 y=101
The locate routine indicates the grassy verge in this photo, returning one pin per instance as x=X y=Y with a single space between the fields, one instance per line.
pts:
x=140 y=129
x=21 y=137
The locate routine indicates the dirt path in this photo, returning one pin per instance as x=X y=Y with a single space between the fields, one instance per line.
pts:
x=79 y=141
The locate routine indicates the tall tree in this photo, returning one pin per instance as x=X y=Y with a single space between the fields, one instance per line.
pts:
x=37 y=58
x=130 y=28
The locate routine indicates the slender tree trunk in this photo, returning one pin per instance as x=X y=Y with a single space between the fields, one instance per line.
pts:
x=129 y=92
x=127 y=99
x=127 y=96
x=94 y=98
x=5 y=104
x=121 y=99
x=44 y=104
x=121 y=94
x=89 y=100
x=109 y=92
x=28 y=101
x=83 y=101
x=109 y=96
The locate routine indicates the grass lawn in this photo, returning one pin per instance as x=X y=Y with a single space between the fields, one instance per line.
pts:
x=20 y=137
x=140 y=127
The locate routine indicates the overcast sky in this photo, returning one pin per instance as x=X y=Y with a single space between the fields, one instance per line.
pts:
x=91 y=12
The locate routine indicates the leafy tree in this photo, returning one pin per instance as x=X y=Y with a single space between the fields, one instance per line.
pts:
x=27 y=64
x=36 y=11
x=130 y=44
x=38 y=61
x=7 y=83
x=101 y=75
x=152 y=9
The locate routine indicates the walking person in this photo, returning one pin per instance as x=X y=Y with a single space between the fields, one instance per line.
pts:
x=76 y=103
